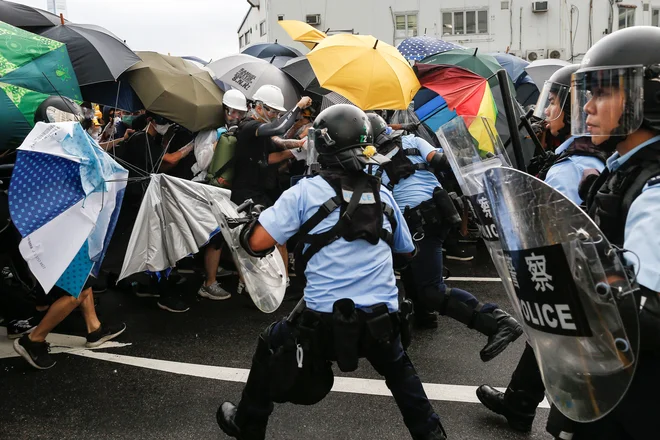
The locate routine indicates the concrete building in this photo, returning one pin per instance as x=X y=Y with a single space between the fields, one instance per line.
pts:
x=531 y=29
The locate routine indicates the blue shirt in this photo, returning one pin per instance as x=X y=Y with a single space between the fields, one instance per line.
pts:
x=342 y=269
x=641 y=234
x=419 y=187
x=566 y=175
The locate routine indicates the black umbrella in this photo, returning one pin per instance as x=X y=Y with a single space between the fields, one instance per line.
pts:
x=333 y=98
x=97 y=54
x=116 y=94
x=269 y=50
x=301 y=72
x=26 y=17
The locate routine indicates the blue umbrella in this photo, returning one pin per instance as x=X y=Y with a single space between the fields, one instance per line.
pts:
x=514 y=66
x=418 y=48
x=270 y=50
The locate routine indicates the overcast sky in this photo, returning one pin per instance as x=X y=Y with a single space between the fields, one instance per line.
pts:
x=203 y=28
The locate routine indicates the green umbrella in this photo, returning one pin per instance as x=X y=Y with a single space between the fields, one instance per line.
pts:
x=32 y=68
x=36 y=63
x=481 y=64
x=177 y=90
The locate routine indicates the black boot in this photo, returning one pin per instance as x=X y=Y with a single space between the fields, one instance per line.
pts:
x=518 y=407
x=508 y=330
x=233 y=423
x=437 y=434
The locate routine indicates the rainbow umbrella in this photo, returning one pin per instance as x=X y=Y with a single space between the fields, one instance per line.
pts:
x=464 y=92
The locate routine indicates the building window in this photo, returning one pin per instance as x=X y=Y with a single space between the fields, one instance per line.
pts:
x=240 y=41
x=262 y=28
x=626 y=16
x=505 y=5
x=248 y=34
x=655 y=17
x=465 y=22
x=280 y=17
x=406 y=25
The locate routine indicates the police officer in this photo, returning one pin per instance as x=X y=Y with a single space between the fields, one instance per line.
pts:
x=349 y=227
x=563 y=170
x=428 y=211
x=617 y=91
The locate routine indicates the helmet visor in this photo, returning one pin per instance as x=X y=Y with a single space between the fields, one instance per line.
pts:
x=551 y=101
x=607 y=102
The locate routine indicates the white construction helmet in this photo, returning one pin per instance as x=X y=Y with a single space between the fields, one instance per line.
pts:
x=271 y=96
x=235 y=99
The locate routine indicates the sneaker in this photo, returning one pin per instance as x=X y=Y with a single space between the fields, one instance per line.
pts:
x=20 y=327
x=147 y=290
x=36 y=353
x=457 y=253
x=214 y=292
x=222 y=272
x=173 y=304
x=104 y=333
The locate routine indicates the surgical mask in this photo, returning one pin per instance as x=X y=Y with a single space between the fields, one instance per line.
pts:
x=128 y=120
x=162 y=129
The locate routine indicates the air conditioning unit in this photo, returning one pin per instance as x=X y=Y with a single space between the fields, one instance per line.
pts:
x=557 y=54
x=540 y=7
x=313 y=19
x=535 y=54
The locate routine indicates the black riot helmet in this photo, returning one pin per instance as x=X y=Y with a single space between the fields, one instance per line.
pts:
x=343 y=138
x=622 y=70
x=556 y=95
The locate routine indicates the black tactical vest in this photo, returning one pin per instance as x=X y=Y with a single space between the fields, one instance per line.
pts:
x=400 y=166
x=580 y=147
x=612 y=194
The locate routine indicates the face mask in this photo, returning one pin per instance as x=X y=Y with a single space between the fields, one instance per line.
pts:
x=128 y=120
x=162 y=129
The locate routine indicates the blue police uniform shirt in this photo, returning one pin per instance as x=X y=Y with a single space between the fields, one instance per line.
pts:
x=342 y=269
x=641 y=233
x=419 y=187
x=566 y=175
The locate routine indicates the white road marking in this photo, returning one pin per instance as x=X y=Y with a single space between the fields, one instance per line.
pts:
x=59 y=344
x=443 y=392
x=452 y=278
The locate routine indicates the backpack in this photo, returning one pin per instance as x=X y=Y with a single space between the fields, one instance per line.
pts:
x=221 y=170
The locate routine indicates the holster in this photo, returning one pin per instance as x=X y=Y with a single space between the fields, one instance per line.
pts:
x=445 y=205
x=379 y=324
x=346 y=331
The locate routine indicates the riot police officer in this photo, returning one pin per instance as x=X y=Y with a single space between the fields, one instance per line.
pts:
x=563 y=170
x=349 y=227
x=430 y=215
x=616 y=95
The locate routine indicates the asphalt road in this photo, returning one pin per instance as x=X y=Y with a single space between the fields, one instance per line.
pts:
x=167 y=385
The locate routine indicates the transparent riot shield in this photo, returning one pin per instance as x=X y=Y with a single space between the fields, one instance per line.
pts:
x=573 y=291
x=264 y=278
x=472 y=146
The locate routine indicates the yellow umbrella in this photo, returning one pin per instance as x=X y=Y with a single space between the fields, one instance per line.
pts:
x=368 y=72
x=302 y=32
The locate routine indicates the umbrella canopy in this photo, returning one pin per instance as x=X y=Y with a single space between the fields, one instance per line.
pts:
x=36 y=63
x=26 y=17
x=178 y=90
x=481 y=64
x=464 y=92
x=370 y=73
x=247 y=73
x=302 y=32
x=116 y=94
x=279 y=61
x=418 y=48
x=269 y=50
x=301 y=72
x=97 y=54
x=333 y=98
x=514 y=66
x=64 y=198
x=542 y=70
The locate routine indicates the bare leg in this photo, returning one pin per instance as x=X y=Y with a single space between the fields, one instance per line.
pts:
x=57 y=312
x=211 y=264
x=285 y=257
x=88 y=311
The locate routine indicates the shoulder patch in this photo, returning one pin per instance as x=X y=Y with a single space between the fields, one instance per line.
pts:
x=652 y=182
